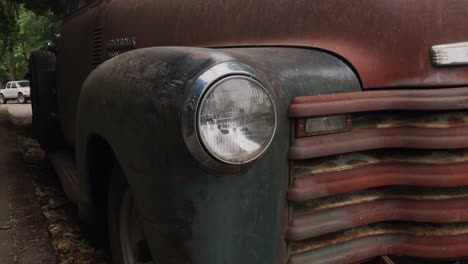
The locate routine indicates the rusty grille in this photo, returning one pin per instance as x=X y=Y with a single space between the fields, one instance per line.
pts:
x=396 y=184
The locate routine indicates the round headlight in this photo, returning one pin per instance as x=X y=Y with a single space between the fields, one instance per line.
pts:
x=236 y=120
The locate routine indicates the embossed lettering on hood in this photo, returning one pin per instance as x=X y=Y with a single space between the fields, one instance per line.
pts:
x=120 y=45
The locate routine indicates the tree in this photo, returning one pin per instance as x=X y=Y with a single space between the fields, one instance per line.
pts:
x=25 y=25
x=9 y=12
x=42 y=6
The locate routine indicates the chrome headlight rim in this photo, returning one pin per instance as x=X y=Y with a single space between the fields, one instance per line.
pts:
x=210 y=90
x=192 y=105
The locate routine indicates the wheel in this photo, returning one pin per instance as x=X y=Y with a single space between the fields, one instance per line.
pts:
x=127 y=240
x=43 y=99
x=22 y=99
x=3 y=100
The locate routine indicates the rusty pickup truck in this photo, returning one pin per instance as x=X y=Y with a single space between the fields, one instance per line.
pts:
x=262 y=131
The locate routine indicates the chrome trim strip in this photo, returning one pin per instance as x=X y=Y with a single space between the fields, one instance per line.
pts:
x=450 y=54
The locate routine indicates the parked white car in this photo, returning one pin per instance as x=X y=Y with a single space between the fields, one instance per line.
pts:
x=15 y=90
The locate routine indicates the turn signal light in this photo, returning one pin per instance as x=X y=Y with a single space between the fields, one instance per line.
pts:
x=312 y=126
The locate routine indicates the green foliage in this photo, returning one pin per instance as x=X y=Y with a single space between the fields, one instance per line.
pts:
x=11 y=224
x=25 y=26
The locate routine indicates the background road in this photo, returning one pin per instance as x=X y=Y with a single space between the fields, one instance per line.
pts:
x=19 y=113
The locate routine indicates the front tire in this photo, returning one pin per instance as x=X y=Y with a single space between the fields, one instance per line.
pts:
x=22 y=99
x=127 y=241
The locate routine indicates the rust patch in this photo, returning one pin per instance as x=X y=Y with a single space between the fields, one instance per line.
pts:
x=413 y=119
x=402 y=228
x=387 y=193
x=386 y=260
x=365 y=248
x=304 y=168
x=446 y=242
x=458 y=121
x=316 y=223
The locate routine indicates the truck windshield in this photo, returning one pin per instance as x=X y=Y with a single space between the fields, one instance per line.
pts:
x=23 y=84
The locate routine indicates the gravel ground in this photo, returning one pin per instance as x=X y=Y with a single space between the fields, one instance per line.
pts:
x=24 y=236
x=68 y=239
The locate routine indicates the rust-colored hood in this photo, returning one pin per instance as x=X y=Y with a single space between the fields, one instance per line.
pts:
x=388 y=42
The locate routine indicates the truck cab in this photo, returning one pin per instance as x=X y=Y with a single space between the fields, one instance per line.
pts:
x=262 y=131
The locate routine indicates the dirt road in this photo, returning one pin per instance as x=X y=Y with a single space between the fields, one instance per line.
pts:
x=23 y=228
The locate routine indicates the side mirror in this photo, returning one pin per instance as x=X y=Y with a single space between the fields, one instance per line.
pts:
x=53 y=44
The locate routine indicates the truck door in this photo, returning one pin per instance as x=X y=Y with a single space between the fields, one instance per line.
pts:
x=13 y=93
x=7 y=91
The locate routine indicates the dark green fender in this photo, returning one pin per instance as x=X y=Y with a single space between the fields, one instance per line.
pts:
x=193 y=215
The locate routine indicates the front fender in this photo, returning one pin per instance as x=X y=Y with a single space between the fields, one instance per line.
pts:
x=194 y=215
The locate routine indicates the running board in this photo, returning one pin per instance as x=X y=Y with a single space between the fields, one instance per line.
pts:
x=65 y=167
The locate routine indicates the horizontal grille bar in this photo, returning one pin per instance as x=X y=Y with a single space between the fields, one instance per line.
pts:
x=376 y=194
x=373 y=246
x=389 y=228
x=353 y=173
x=427 y=130
x=410 y=119
x=437 y=99
x=358 y=140
x=317 y=223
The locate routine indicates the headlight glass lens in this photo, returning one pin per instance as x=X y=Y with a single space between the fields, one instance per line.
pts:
x=237 y=120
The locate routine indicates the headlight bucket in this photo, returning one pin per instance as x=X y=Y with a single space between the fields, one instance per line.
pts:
x=228 y=118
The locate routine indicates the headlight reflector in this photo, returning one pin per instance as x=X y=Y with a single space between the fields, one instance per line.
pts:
x=236 y=120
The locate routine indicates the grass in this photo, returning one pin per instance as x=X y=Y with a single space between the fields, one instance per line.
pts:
x=11 y=223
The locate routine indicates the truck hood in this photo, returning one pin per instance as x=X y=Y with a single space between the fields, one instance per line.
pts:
x=387 y=42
